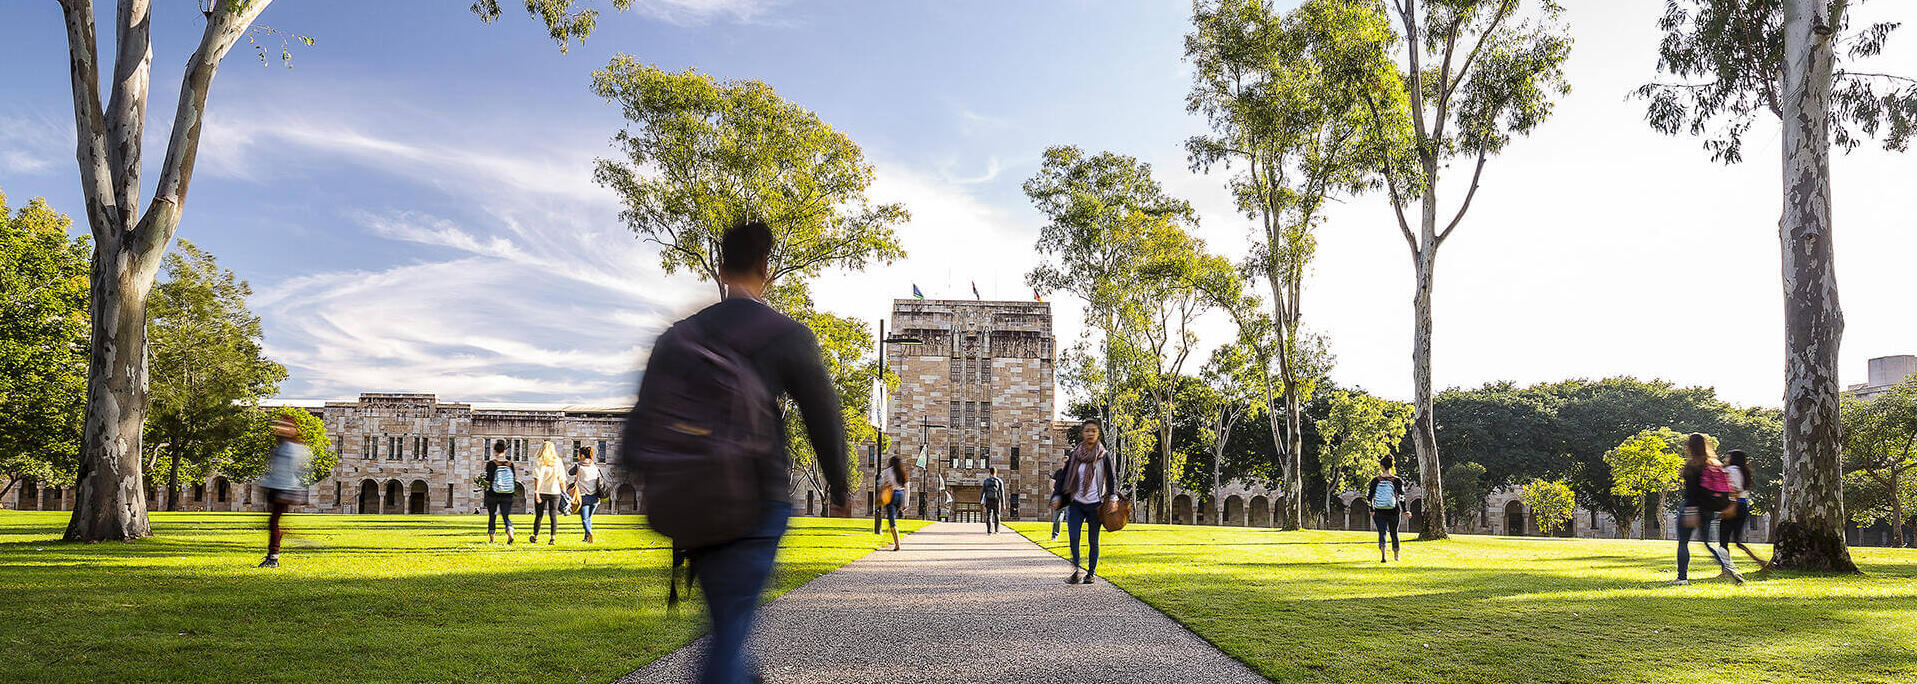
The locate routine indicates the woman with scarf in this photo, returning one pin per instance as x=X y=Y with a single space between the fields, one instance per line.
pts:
x=1090 y=481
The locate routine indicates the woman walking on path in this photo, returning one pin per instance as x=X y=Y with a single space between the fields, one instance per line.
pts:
x=1738 y=467
x=282 y=482
x=1058 y=500
x=1702 y=506
x=1090 y=481
x=895 y=484
x=500 y=482
x=588 y=487
x=1386 y=494
x=549 y=481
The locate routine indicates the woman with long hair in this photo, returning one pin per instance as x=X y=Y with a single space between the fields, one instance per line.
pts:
x=1385 y=493
x=588 y=487
x=895 y=484
x=1703 y=504
x=1090 y=481
x=1738 y=467
x=549 y=480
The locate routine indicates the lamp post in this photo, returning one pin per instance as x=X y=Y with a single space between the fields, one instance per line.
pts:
x=878 y=457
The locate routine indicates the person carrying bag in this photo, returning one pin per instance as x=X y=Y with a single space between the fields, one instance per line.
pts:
x=1089 y=494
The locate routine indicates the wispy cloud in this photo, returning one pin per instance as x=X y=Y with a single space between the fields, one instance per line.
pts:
x=32 y=145
x=700 y=12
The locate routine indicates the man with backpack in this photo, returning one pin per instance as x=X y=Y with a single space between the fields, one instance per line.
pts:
x=707 y=444
x=991 y=492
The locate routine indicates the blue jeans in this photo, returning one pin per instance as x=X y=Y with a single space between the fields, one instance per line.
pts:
x=733 y=575
x=1083 y=513
x=588 y=504
x=892 y=510
x=497 y=509
x=1386 y=520
x=1706 y=521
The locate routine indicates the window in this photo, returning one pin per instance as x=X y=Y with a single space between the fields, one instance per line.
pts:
x=957 y=369
x=1014 y=467
x=954 y=410
x=451 y=452
x=971 y=414
x=1013 y=502
x=601 y=452
x=575 y=446
x=419 y=447
x=985 y=414
x=449 y=495
x=369 y=447
x=985 y=372
x=954 y=455
x=984 y=457
x=969 y=453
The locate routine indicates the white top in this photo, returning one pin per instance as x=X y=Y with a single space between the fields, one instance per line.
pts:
x=586 y=478
x=891 y=477
x=1088 y=492
x=548 y=480
x=1737 y=481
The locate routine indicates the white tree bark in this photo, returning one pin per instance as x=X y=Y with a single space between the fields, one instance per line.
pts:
x=110 y=499
x=1810 y=534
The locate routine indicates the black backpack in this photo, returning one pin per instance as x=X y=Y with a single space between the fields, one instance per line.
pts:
x=703 y=427
x=991 y=488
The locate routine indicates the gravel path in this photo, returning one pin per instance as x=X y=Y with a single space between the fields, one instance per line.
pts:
x=958 y=605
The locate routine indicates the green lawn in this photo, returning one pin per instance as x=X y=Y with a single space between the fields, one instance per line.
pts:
x=357 y=598
x=1317 y=606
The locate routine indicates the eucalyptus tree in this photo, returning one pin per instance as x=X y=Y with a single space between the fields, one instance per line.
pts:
x=1099 y=208
x=1285 y=100
x=43 y=343
x=1803 y=62
x=703 y=155
x=1477 y=74
x=129 y=243
x=1649 y=462
x=1231 y=379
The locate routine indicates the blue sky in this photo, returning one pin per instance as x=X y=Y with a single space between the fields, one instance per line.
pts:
x=412 y=202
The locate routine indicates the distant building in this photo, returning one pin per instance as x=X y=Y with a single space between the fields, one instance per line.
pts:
x=1885 y=372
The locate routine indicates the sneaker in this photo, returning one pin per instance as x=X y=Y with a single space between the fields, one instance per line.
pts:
x=1680 y=582
x=1737 y=578
x=1394 y=555
x=1088 y=579
x=534 y=539
x=270 y=562
x=1073 y=579
x=550 y=541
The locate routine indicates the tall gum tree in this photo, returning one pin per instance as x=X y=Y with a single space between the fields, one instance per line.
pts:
x=1477 y=74
x=1284 y=96
x=1734 y=60
x=109 y=501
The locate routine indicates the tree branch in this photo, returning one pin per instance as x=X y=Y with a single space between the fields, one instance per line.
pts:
x=126 y=110
x=224 y=26
x=89 y=123
x=1468 y=195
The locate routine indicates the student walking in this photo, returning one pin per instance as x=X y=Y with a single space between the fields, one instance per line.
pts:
x=893 y=489
x=588 y=487
x=1738 y=467
x=1706 y=495
x=501 y=482
x=991 y=492
x=282 y=482
x=706 y=441
x=1090 y=481
x=1386 y=495
x=1058 y=501
x=549 y=482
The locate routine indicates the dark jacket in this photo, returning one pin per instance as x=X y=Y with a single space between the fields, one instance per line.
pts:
x=1371 y=492
x=789 y=363
x=1694 y=491
x=1058 y=479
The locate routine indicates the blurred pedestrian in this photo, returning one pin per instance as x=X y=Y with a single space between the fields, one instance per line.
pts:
x=1706 y=495
x=894 y=489
x=1738 y=467
x=284 y=469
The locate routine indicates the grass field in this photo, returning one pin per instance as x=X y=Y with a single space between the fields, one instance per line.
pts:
x=356 y=599
x=1317 y=606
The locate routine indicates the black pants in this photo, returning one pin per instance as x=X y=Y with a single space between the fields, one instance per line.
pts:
x=1386 y=520
x=546 y=505
x=499 y=508
x=991 y=515
x=1733 y=529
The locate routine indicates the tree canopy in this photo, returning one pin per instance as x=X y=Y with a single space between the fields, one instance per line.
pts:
x=43 y=329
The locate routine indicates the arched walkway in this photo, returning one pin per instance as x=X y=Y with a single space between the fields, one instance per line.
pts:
x=1234 y=511
x=1260 y=512
x=1181 y=510
x=395 y=492
x=627 y=499
x=1358 y=517
x=368 y=496
x=416 y=498
x=222 y=495
x=1514 y=519
x=28 y=496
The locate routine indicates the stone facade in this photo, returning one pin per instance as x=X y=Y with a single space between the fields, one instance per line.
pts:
x=977 y=392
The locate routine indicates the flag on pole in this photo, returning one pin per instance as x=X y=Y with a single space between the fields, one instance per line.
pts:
x=1035 y=296
x=921 y=455
x=975 y=291
x=916 y=294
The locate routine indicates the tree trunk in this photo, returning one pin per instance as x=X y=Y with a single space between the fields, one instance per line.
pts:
x=109 y=503
x=173 y=482
x=1811 y=533
x=1896 y=511
x=1424 y=433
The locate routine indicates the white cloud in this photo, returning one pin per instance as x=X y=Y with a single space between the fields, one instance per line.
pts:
x=698 y=12
x=35 y=145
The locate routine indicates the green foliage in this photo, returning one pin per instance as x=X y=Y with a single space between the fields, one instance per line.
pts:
x=1880 y=449
x=563 y=23
x=1728 y=60
x=1464 y=488
x=1650 y=462
x=702 y=155
x=207 y=367
x=847 y=346
x=1361 y=430
x=249 y=455
x=1551 y=504
x=43 y=343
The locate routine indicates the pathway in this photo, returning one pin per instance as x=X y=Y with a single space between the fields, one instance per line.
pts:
x=958 y=605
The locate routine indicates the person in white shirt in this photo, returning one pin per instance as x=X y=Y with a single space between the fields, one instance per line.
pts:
x=549 y=480
x=1090 y=481
x=894 y=480
x=1738 y=467
x=588 y=487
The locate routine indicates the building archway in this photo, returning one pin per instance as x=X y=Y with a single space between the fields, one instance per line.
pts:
x=1234 y=511
x=1260 y=512
x=416 y=497
x=368 y=496
x=1514 y=519
x=1358 y=516
x=1181 y=510
x=628 y=500
x=28 y=497
x=222 y=495
x=395 y=493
